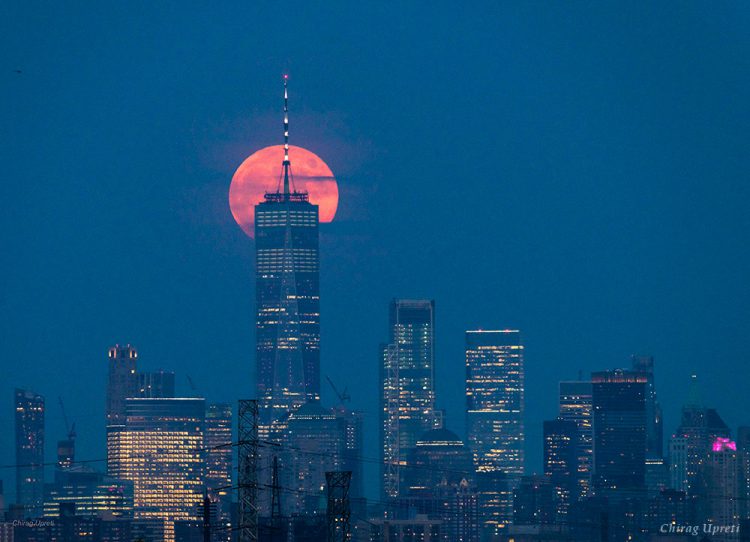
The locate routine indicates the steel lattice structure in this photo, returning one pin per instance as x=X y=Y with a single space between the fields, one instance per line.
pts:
x=338 y=511
x=248 y=470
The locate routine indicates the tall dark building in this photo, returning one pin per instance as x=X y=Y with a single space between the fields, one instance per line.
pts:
x=30 y=451
x=619 y=401
x=689 y=446
x=576 y=406
x=156 y=385
x=287 y=297
x=122 y=381
x=561 y=462
x=407 y=379
x=654 y=428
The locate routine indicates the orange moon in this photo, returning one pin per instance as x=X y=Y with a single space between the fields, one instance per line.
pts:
x=261 y=172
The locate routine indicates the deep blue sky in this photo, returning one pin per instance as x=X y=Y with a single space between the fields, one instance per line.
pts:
x=576 y=170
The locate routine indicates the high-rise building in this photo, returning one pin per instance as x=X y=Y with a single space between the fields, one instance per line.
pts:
x=494 y=400
x=619 y=401
x=440 y=483
x=218 y=472
x=160 y=448
x=314 y=443
x=407 y=380
x=534 y=501
x=743 y=459
x=29 y=417
x=654 y=428
x=93 y=494
x=561 y=462
x=351 y=423
x=690 y=444
x=576 y=406
x=720 y=473
x=156 y=385
x=122 y=381
x=287 y=286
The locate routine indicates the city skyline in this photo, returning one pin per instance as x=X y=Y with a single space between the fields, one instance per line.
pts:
x=599 y=211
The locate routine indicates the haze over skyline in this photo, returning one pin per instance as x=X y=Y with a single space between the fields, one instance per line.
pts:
x=576 y=172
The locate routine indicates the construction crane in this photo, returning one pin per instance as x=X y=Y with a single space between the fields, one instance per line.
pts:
x=66 y=448
x=69 y=429
x=344 y=397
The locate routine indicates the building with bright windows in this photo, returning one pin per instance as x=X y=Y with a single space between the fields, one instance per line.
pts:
x=160 y=448
x=407 y=379
x=576 y=406
x=494 y=400
x=561 y=463
x=218 y=473
x=494 y=420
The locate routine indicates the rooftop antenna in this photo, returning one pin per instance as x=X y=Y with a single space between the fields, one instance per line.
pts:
x=286 y=164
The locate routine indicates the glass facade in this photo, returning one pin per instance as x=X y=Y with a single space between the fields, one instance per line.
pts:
x=287 y=305
x=29 y=407
x=619 y=401
x=161 y=450
x=494 y=400
x=576 y=406
x=407 y=386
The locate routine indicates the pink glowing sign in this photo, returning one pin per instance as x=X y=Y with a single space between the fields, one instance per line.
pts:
x=721 y=444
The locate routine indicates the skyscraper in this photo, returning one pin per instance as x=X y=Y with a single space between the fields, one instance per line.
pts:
x=654 y=428
x=561 y=462
x=494 y=400
x=690 y=444
x=576 y=406
x=218 y=472
x=407 y=385
x=287 y=297
x=720 y=473
x=159 y=384
x=315 y=443
x=619 y=401
x=122 y=381
x=161 y=449
x=29 y=408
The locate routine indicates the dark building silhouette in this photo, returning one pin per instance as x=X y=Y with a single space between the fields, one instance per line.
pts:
x=619 y=403
x=122 y=381
x=155 y=385
x=654 y=427
x=29 y=418
x=407 y=380
x=690 y=444
x=743 y=458
x=561 y=462
x=534 y=501
x=287 y=295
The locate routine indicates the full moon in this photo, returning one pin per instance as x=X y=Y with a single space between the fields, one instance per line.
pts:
x=261 y=173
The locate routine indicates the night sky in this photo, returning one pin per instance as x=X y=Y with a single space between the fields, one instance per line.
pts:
x=575 y=170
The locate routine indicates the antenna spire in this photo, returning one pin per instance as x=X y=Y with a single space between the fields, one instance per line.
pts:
x=287 y=164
